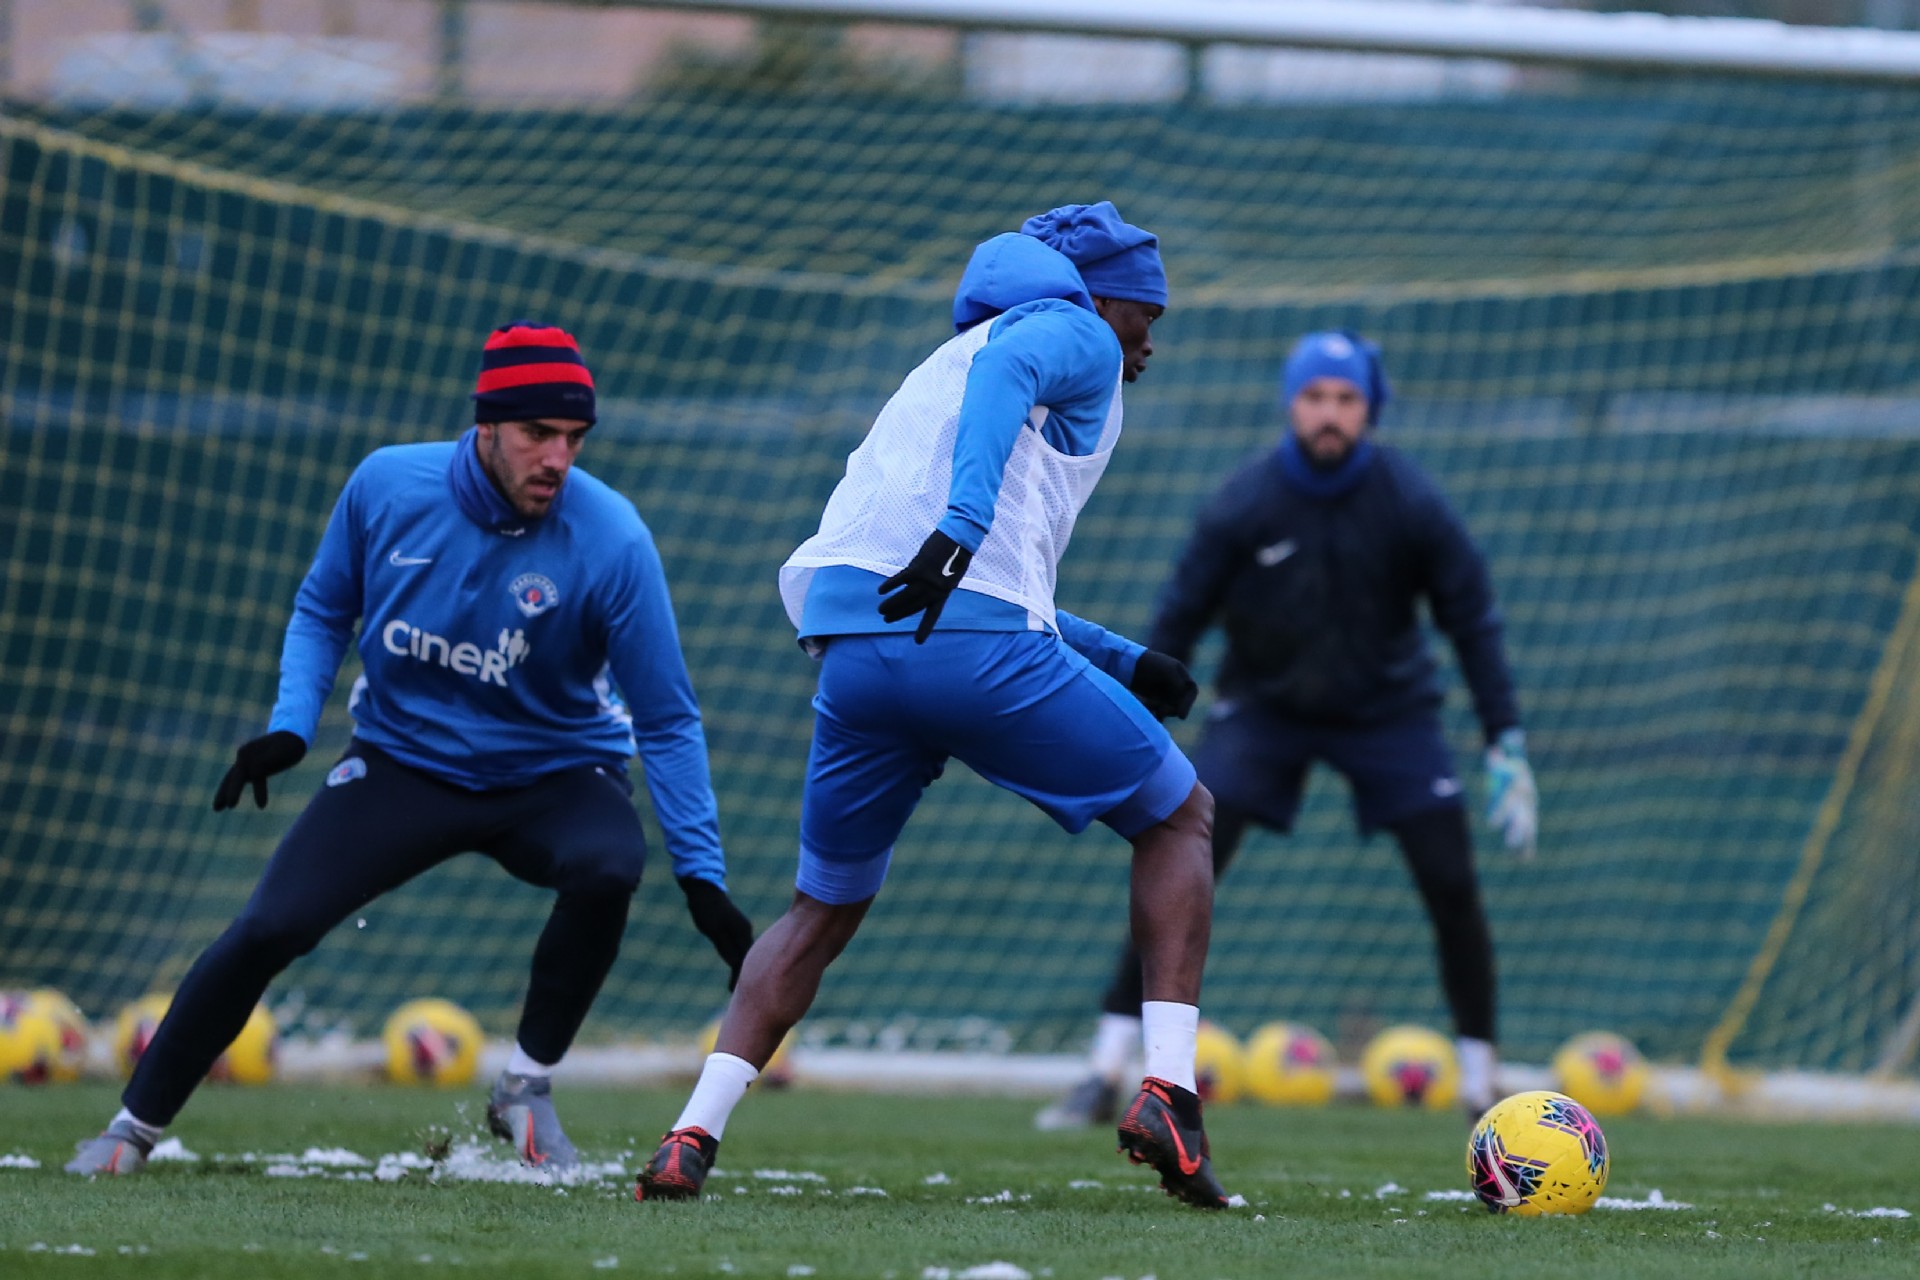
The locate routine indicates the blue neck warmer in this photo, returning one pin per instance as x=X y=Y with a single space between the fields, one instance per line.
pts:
x=1323 y=482
x=478 y=499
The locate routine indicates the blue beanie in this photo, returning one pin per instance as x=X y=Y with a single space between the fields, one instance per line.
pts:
x=1116 y=259
x=1337 y=354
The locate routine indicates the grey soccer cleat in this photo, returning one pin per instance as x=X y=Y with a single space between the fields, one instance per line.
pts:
x=521 y=1111
x=1095 y=1100
x=119 y=1150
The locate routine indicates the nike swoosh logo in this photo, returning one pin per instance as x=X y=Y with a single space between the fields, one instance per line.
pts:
x=1509 y=1195
x=1273 y=555
x=1189 y=1165
x=399 y=561
x=946 y=571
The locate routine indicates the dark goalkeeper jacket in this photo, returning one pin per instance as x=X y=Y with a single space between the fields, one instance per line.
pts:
x=1318 y=594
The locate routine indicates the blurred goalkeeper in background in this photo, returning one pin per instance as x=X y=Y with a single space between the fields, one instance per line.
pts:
x=927 y=595
x=497 y=588
x=1314 y=559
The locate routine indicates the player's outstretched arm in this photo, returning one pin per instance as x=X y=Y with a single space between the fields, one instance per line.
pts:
x=324 y=613
x=1161 y=681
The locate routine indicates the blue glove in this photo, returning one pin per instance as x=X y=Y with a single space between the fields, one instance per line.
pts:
x=1513 y=802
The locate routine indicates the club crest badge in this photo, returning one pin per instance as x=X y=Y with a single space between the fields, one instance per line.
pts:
x=534 y=593
x=346 y=771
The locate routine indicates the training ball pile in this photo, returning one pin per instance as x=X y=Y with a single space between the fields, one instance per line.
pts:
x=1290 y=1065
x=432 y=1041
x=1601 y=1071
x=1537 y=1153
x=1411 y=1067
x=1219 y=1064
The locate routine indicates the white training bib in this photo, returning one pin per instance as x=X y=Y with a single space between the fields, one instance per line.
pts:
x=897 y=484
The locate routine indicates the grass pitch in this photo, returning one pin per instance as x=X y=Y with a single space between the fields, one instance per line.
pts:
x=837 y=1185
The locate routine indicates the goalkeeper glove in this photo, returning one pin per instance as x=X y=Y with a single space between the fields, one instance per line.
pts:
x=1163 y=685
x=722 y=923
x=256 y=761
x=1513 y=802
x=926 y=582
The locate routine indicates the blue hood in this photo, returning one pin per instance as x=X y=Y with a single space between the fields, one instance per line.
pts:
x=1012 y=269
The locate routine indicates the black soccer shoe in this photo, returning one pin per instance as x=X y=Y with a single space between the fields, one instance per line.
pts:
x=1162 y=1129
x=679 y=1168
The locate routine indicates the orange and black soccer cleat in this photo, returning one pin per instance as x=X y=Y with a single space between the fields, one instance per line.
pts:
x=679 y=1168
x=1162 y=1129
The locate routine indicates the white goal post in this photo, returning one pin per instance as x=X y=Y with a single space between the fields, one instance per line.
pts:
x=1516 y=33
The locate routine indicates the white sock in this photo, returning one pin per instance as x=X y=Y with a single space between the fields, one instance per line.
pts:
x=1116 y=1043
x=151 y=1132
x=723 y=1082
x=523 y=1064
x=1476 y=1071
x=1170 y=1031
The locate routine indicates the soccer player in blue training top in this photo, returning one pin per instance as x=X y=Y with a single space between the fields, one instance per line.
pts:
x=951 y=519
x=1314 y=559
x=499 y=587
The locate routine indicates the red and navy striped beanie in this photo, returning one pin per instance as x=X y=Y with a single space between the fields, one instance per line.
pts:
x=530 y=371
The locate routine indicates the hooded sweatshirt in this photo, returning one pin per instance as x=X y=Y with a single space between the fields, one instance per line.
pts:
x=1044 y=347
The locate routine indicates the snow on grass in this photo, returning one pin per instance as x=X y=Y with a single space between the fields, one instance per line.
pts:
x=1878 y=1212
x=788 y=1175
x=985 y=1271
x=1654 y=1200
x=1451 y=1194
x=171 y=1149
x=18 y=1162
x=1005 y=1196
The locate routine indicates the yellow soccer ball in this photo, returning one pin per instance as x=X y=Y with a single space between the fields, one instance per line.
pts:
x=133 y=1029
x=1290 y=1065
x=1411 y=1067
x=777 y=1074
x=251 y=1057
x=432 y=1041
x=74 y=1031
x=1219 y=1064
x=1603 y=1072
x=1537 y=1153
x=29 y=1042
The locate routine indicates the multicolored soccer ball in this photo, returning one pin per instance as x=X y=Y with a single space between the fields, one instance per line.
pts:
x=134 y=1027
x=1537 y=1153
x=1219 y=1064
x=74 y=1031
x=1602 y=1071
x=1290 y=1064
x=1411 y=1066
x=777 y=1074
x=29 y=1041
x=432 y=1041
x=251 y=1058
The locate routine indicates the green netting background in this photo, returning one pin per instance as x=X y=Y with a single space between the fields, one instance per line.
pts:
x=1656 y=337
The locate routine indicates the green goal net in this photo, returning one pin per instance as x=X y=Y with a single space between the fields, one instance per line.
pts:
x=1658 y=337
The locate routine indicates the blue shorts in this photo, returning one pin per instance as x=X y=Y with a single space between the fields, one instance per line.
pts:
x=1255 y=761
x=1020 y=708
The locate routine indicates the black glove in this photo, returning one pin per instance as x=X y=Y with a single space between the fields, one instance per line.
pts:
x=715 y=916
x=926 y=582
x=255 y=762
x=1163 y=685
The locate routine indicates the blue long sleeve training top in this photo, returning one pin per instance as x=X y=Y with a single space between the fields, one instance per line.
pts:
x=488 y=639
x=1047 y=352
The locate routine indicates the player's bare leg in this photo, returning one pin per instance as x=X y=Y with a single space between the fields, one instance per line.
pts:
x=1172 y=912
x=778 y=982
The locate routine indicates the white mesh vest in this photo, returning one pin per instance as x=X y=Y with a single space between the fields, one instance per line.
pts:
x=897 y=481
